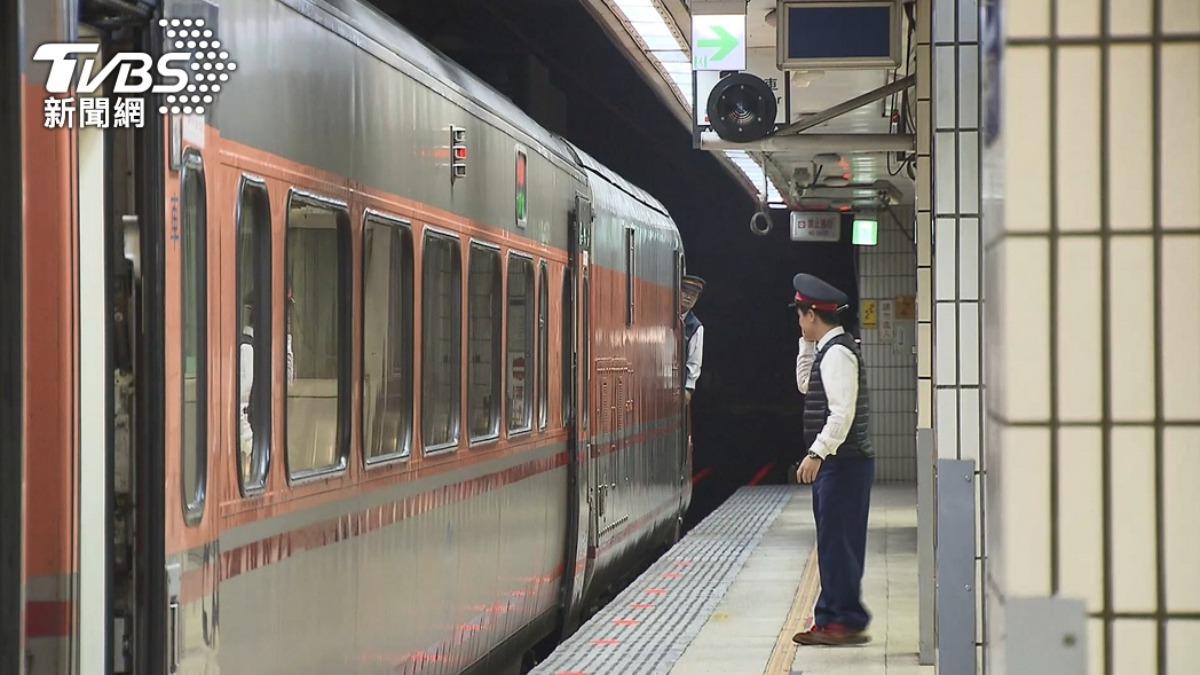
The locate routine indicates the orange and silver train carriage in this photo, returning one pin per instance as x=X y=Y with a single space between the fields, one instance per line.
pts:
x=360 y=371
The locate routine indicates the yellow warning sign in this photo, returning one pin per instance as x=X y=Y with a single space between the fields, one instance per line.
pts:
x=870 y=314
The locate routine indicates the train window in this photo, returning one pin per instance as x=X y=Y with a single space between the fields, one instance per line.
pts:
x=585 y=362
x=568 y=348
x=483 y=342
x=630 y=274
x=387 y=338
x=441 y=341
x=317 y=341
x=543 y=357
x=194 y=331
x=519 y=361
x=254 y=335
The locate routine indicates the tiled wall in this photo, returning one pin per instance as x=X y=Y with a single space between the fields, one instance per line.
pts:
x=1092 y=240
x=887 y=277
x=949 y=254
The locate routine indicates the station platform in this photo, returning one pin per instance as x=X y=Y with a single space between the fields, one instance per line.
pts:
x=729 y=596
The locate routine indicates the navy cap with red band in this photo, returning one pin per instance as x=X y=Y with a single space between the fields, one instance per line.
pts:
x=818 y=294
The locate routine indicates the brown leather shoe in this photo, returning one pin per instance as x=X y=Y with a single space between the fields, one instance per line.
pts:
x=833 y=635
x=808 y=637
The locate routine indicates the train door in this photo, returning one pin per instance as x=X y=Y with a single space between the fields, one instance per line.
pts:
x=581 y=497
x=683 y=441
x=117 y=196
x=593 y=476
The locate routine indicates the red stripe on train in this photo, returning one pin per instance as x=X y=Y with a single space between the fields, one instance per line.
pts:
x=277 y=548
x=47 y=618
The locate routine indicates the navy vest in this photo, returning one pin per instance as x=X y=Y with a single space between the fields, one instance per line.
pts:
x=690 y=325
x=816 y=406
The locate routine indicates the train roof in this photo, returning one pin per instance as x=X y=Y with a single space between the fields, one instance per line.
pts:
x=395 y=38
x=603 y=180
x=425 y=58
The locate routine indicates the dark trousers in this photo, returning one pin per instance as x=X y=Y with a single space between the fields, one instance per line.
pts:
x=841 y=502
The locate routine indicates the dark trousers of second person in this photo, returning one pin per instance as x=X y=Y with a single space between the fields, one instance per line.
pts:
x=841 y=503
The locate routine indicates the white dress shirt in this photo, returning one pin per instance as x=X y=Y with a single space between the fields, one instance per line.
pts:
x=695 y=355
x=839 y=374
x=246 y=380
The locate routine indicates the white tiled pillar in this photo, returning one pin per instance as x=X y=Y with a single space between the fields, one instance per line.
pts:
x=1092 y=237
x=950 y=267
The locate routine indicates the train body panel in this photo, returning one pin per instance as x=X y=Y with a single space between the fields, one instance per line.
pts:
x=465 y=417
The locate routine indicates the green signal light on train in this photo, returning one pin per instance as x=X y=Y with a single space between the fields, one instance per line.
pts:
x=522 y=189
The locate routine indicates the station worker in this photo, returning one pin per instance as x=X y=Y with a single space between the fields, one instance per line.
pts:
x=840 y=462
x=693 y=331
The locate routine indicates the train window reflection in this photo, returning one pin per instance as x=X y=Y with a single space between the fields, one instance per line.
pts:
x=441 y=317
x=543 y=358
x=387 y=339
x=483 y=343
x=568 y=346
x=318 y=293
x=254 y=336
x=194 y=331
x=519 y=358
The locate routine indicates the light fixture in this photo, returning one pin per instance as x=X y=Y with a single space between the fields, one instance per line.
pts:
x=866 y=232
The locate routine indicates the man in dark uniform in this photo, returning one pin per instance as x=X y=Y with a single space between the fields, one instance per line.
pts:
x=840 y=463
x=693 y=332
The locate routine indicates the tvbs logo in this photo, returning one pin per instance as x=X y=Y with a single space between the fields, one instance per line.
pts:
x=189 y=76
x=133 y=70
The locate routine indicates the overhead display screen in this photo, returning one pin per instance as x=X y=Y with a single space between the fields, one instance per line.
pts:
x=838 y=34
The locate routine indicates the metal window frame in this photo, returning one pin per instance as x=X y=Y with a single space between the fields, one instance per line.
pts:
x=543 y=345
x=193 y=512
x=447 y=236
x=409 y=320
x=532 y=324
x=495 y=435
x=247 y=183
x=345 y=333
x=566 y=336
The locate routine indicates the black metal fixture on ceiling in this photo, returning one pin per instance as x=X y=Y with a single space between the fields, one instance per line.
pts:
x=741 y=108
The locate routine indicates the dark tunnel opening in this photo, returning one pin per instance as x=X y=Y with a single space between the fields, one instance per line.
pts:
x=556 y=62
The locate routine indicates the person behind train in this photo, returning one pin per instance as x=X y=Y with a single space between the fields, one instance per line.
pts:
x=840 y=463
x=247 y=392
x=693 y=331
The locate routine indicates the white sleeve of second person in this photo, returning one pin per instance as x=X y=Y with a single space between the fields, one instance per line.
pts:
x=291 y=361
x=807 y=352
x=839 y=374
x=695 y=355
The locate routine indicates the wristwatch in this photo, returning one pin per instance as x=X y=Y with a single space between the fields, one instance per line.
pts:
x=815 y=456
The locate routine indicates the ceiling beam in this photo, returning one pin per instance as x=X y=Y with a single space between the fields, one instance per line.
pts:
x=817 y=143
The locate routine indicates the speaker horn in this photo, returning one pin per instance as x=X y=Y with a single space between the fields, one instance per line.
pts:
x=741 y=108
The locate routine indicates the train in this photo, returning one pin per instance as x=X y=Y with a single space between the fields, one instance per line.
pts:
x=360 y=370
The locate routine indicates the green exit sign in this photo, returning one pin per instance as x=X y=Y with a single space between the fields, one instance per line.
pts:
x=866 y=232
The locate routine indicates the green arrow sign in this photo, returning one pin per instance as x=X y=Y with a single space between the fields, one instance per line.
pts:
x=725 y=42
x=719 y=42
